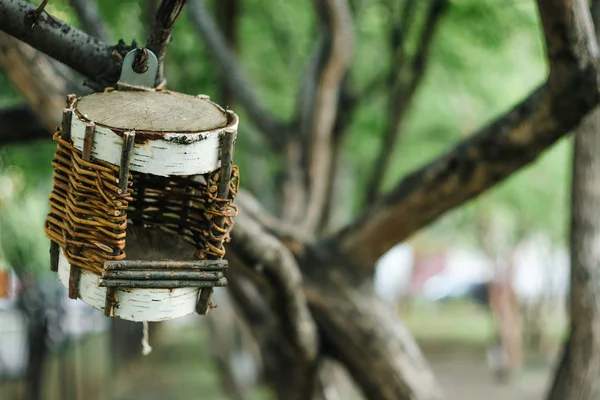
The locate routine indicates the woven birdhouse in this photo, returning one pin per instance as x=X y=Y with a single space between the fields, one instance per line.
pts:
x=141 y=200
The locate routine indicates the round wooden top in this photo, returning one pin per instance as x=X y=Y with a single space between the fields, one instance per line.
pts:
x=160 y=111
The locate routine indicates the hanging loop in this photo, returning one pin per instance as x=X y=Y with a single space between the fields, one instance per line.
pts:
x=138 y=71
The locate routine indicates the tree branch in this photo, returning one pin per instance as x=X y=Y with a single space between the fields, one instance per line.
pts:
x=348 y=102
x=227 y=12
x=296 y=380
x=24 y=66
x=339 y=45
x=376 y=348
x=18 y=124
x=160 y=33
x=496 y=151
x=85 y=54
x=206 y=27
x=281 y=270
x=90 y=18
x=271 y=224
x=401 y=95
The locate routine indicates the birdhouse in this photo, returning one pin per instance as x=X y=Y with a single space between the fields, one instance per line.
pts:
x=141 y=200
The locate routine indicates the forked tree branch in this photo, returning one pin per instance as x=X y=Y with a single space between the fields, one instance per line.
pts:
x=90 y=18
x=496 y=151
x=229 y=67
x=281 y=270
x=85 y=54
x=338 y=32
x=160 y=32
x=401 y=94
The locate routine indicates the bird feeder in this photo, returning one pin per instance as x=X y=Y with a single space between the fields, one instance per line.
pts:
x=141 y=200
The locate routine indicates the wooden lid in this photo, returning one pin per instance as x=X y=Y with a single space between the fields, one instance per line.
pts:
x=160 y=111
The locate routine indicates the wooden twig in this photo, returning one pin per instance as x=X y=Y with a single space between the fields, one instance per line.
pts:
x=67 y=118
x=226 y=154
x=110 y=302
x=200 y=265
x=74 y=275
x=54 y=256
x=160 y=284
x=163 y=275
x=88 y=141
x=34 y=16
x=126 y=154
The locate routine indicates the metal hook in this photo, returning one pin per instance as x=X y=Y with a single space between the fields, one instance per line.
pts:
x=130 y=79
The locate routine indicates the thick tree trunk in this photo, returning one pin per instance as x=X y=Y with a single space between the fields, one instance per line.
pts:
x=364 y=334
x=579 y=369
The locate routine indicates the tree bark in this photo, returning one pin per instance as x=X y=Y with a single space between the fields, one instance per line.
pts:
x=376 y=348
x=577 y=374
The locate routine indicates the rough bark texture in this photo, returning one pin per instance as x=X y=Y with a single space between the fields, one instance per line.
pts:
x=577 y=374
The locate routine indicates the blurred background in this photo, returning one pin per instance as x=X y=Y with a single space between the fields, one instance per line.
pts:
x=483 y=289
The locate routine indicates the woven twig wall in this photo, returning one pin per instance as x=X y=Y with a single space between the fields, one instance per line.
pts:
x=89 y=213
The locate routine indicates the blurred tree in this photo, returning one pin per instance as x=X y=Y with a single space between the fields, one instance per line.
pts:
x=577 y=372
x=327 y=92
x=576 y=376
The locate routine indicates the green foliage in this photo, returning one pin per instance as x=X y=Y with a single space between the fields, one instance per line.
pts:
x=23 y=245
x=486 y=57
